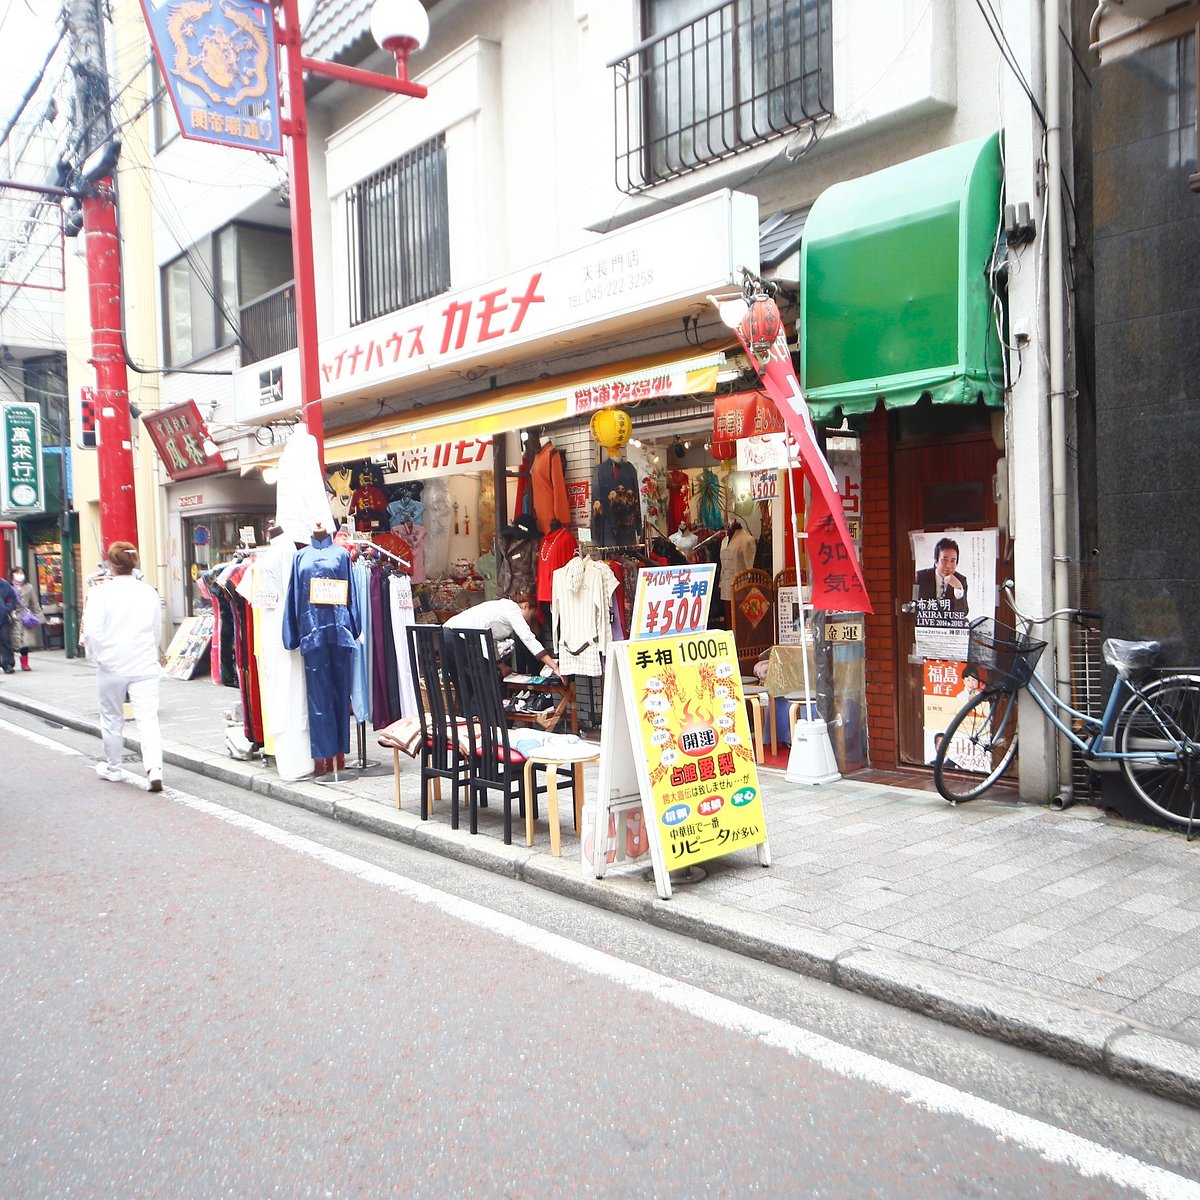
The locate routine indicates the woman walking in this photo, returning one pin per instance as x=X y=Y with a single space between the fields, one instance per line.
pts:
x=121 y=625
x=27 y=618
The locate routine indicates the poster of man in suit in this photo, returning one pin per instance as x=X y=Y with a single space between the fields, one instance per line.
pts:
x=954 y=584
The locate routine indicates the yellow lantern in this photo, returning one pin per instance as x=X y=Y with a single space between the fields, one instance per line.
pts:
x=611 y=427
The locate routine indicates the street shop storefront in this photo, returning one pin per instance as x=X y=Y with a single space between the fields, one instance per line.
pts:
x=900 y=355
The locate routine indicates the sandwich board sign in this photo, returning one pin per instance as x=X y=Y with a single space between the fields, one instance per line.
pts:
x=676 y=743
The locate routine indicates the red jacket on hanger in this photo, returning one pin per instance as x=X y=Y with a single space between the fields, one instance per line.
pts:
x=549 y=488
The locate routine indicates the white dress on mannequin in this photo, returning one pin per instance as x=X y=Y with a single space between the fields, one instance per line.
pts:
x=281 y=671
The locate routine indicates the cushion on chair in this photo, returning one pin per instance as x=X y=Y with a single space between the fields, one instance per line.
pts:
x=403 y=735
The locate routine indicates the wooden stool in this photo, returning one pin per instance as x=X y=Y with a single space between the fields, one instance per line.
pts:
x=759 y=701
x=553 y=757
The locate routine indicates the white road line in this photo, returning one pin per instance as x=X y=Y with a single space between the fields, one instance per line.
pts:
x=1055 y=1145
x=37 y=738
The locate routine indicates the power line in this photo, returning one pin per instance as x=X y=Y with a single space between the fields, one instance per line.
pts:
x=31 y=91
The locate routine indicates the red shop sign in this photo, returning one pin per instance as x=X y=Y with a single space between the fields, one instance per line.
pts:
x=179 y=434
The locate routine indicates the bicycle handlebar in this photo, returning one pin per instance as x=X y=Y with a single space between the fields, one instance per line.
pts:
x=1077 y=615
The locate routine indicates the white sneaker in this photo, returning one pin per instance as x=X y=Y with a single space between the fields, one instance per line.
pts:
x=112 y=774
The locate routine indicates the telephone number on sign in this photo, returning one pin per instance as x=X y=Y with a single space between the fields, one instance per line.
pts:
x=614 y=287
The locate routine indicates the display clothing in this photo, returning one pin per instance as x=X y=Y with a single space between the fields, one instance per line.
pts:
x=437 y=528
x=616 y=504
x=403 y=615
x=737 y=554
x=360 y=576
x=581 y=615
x=280 y=670
x=369 y=508
x=301 y=501
x=679 y=497
x=708 y=493
x=557 y=549
x=341 y=481
x=321 y=619
x=517 y=559
x=684 y=540
x=549 y=488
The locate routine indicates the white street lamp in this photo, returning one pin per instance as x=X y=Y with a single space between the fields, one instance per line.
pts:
x=400 y=27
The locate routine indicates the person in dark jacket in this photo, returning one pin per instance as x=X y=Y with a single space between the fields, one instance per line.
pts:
x=9 y=602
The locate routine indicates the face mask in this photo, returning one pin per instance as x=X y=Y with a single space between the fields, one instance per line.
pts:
x=18 y=578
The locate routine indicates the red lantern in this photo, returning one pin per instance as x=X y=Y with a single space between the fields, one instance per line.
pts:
x=724 y=451
x=759 y=328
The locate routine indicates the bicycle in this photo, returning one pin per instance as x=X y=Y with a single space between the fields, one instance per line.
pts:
x=1152 y=730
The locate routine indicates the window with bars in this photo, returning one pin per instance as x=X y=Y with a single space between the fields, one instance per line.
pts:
x=714 y=79
x=398 y=234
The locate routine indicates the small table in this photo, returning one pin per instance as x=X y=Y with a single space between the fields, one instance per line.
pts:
x=553 y=757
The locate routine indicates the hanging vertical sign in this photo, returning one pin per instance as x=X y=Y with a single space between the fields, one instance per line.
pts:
x=21 y=472
x=218 y=62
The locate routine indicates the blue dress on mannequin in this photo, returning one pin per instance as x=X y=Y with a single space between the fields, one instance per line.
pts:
x=322 y=622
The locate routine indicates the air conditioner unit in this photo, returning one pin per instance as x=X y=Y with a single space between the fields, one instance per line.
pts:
x=1142 y=9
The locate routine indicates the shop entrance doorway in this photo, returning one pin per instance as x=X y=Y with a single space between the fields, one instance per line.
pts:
x=938 y=484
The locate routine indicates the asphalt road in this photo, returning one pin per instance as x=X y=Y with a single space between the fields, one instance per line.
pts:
x=209 y=994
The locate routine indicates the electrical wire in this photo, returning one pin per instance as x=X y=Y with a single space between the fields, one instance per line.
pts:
x=31 y=91
x=1006 y=52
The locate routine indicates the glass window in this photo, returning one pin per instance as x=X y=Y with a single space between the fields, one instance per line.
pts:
x=203 y=289
x=166 y=126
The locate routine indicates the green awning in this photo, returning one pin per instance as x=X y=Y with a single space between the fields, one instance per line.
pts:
x=895 y=302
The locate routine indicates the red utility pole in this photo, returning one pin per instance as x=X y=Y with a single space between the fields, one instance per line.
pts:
x=114 y=449
x=114 y=446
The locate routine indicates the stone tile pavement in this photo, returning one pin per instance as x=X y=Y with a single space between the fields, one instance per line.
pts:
x=1068 y=932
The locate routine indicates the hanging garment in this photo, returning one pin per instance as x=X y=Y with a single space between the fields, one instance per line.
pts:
x=679 y=498
x=708 y=495
x=549 y=488
x=516 y=558
x=616 y=504
x=438 y=520
x=301 y=501
x=580 y=615
x=321 y=619
x=360 y=702
x=385 y=683
x=737 y=554
x=403 y=615
x=557 y=549
x=243 y=652
x=281 y=671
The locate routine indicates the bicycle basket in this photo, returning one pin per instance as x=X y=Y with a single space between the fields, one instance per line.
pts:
x=1003 y=657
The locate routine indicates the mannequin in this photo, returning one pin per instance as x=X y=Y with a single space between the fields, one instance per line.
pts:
x=616 y=504
x=685 y=540
x=737 y=554
x=321 y=620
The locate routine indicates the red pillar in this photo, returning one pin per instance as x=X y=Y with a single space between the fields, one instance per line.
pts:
x=296 y=128
x=114 y=450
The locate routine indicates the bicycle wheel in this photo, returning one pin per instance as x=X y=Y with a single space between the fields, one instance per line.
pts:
x=1165 y=719
x=979 y=745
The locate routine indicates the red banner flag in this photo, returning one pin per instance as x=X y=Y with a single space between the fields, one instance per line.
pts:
x=837 y=580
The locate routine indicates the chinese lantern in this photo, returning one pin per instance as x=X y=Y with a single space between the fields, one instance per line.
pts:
x=611 y=427
x=723 y=451
x=759 y=328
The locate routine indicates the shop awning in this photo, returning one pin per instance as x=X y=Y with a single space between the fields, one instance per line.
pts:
x=896 y=303
x=524 y=407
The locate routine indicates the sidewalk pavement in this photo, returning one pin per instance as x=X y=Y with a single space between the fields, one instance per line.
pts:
x=1068 y=933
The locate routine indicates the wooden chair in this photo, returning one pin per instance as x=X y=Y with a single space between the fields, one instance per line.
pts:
x=442 y=751
x=754 y=635
x=495 y=766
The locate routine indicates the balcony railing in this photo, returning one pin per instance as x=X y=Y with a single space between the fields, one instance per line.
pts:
x=742 y=73
x=269 y=324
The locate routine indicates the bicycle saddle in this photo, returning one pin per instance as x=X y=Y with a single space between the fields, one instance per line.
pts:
x=1130 y=658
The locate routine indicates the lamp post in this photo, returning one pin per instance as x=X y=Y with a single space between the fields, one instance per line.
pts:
x=400 y=27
